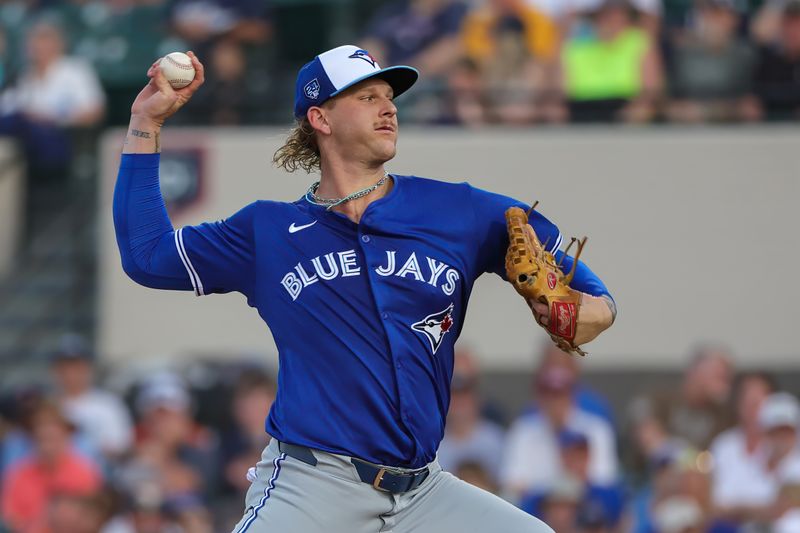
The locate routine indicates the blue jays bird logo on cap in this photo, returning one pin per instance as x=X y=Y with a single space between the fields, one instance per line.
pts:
x=435 y=326
x=363 y=54
x=312 y=89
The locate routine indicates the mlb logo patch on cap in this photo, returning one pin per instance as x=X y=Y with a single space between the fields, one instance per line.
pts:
x=311 y=89
x=336 y=70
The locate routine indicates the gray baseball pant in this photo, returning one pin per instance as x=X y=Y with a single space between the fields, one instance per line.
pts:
x=291 y=496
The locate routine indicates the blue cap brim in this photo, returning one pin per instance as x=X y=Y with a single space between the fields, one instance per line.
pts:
x=399 y=77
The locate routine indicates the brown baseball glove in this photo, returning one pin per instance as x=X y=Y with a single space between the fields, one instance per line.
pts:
x=538 y=278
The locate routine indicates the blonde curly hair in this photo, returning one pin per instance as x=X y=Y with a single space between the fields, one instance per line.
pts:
x=300 y=149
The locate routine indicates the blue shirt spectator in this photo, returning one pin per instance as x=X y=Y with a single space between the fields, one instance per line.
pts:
x=423 y=33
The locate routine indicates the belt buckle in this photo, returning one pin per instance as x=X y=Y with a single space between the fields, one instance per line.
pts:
x=376 y=483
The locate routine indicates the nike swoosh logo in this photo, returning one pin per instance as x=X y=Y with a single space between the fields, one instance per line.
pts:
x=295 y=229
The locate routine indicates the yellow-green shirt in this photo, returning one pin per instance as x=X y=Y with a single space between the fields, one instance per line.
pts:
x=597 y=70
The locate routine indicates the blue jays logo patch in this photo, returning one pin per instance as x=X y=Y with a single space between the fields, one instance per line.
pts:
x=363 y=54
x=312 y=89
x=434 y=327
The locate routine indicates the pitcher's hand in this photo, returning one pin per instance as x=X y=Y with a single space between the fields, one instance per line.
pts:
x=158 y=100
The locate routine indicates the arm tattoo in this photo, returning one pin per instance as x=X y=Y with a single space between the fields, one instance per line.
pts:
x=611 y=306
x=146 y=135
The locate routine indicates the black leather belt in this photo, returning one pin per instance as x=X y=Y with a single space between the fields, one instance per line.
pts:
x=380 y=477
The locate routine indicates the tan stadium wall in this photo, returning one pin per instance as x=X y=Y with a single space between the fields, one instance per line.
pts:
x=695 y=231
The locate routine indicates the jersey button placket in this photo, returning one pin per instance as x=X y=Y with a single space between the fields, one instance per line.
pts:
x=368 y=252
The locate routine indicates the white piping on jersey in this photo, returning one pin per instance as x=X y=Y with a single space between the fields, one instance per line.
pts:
x=187 y=263
x=559 y=239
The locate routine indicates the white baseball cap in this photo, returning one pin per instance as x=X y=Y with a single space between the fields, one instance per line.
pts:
x=779 y=410
x=165 y=391
x=338 y=69
x=677 y=513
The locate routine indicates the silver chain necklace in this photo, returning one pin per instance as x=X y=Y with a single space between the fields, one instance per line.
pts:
x=329 y=203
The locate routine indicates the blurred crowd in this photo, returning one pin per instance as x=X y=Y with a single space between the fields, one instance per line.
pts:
x=482 y=61
x=718 y=453
x=553 y=61
x=69 y=68
x=158 y=456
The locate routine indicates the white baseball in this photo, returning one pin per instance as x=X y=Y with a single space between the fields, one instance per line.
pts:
x=178 y=69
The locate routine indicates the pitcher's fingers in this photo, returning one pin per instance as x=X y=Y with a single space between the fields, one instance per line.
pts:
x=162 y=84
x=199 y=69
x=540 y=311
x=539 y=307
x=199 y=72
x=152 y=70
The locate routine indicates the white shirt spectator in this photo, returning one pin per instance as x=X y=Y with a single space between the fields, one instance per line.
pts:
x=485 y=446
x=789 y=522
x=533 y=460
x=739 y=477
x=103 y=418
x=67 y=89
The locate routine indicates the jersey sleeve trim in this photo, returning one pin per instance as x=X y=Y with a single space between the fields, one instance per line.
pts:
x=187 y=263
x=557 y=244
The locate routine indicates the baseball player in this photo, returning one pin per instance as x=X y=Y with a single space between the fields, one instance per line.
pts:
x=364 y=283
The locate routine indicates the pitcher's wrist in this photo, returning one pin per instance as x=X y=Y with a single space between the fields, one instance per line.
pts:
x=143 y=136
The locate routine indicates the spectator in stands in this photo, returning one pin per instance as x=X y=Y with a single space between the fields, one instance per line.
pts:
x=776 y=81
x=679 y=514
x=740 y=487
x=202 y=22
x=99 y=415
x=586 y=398
x=682 y=496
x=76 y=513
x=121 y=38
x=660 y=483
x=241 y=446
x=55 y=93
x=615 y=72
x=700 y=409
x=779 y=417
x=532 y=461
x=649 y=440
x=55 y=468
x=174 y=456
x=147 y=510
x=788 y=508
x=464 y=103
x=712 y=68
x=592 y=518
x=423 y=33
x=765 y=21
x=469 y=436
x=559 y=507
x=512 y=47
x=18 y=442
x=167 y=425
x=474 y=473
x=660 y=454
x=231 y=92
x=574 y=456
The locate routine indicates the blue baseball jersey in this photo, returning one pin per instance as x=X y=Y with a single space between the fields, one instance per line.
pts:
x=364 y=315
